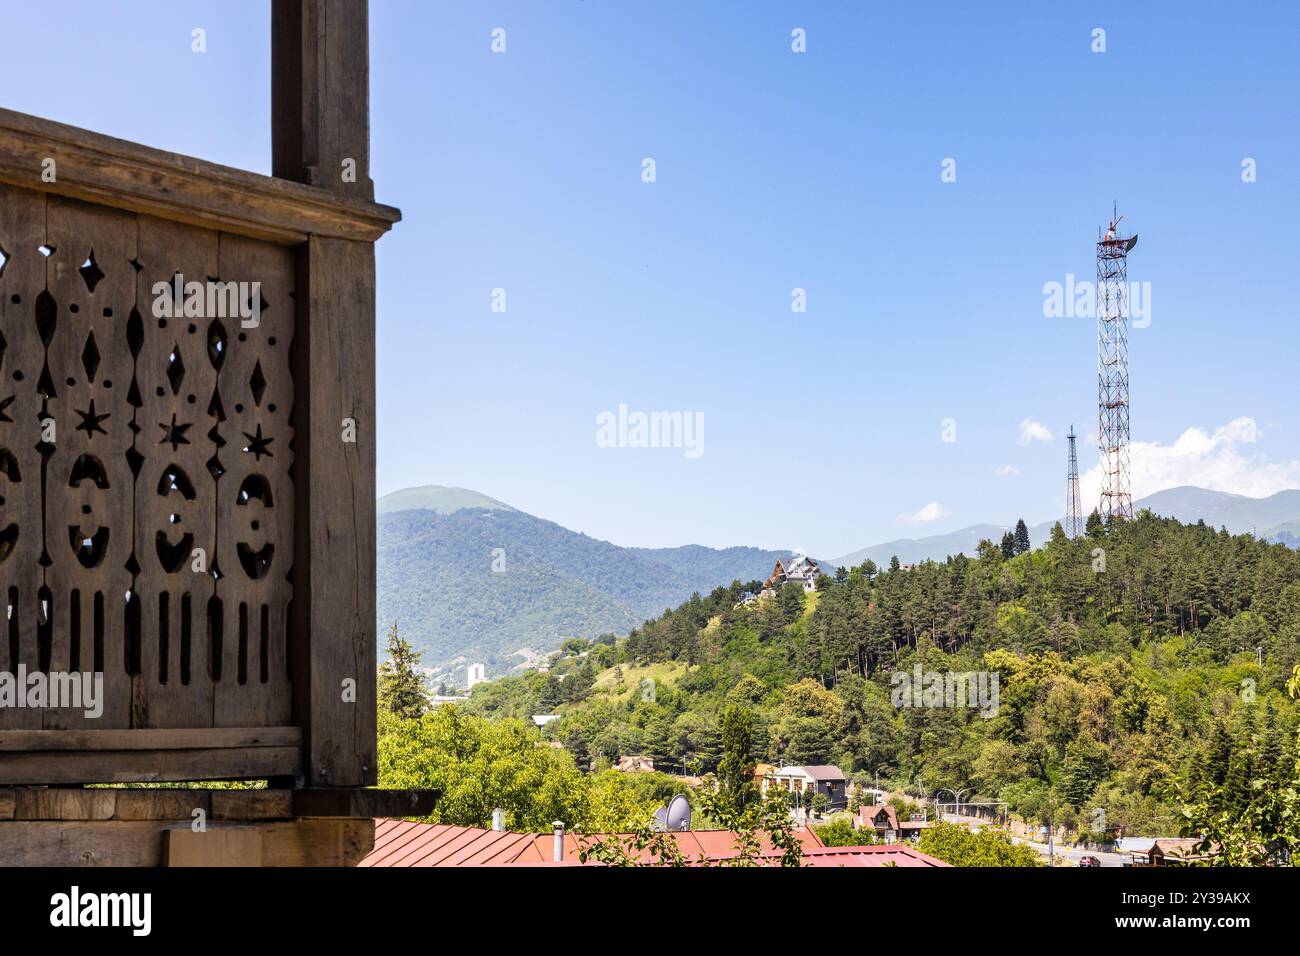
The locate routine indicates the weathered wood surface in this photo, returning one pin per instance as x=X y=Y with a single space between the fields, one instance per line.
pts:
x=125 y=175
x=170 y=464
x=318 y=842
x=252 y=804
x=88 y=491
x=148 y=766
x=175 y=494
x=255 y=500
x=149 y=739
x=362 y=802
x=213 y=846
x=154 y=803
x=333 y=639
x=320 y=89
x=151 y=755
x=22 y=535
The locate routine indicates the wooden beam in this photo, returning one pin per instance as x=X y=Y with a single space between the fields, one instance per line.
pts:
x=212 y=846
x=320 y=106
x=318 y=842
x=332 y=630
x=84 y=843
x=156 y=766
x=153 y=803
x=320 y=94
x=252 y=804
x=343 y=802
x=203 y=738
x=114 y=172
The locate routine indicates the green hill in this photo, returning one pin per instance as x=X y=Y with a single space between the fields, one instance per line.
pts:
x=483 y=582
x=1121 y=691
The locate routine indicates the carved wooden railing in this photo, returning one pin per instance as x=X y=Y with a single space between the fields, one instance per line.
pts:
x=179 y=508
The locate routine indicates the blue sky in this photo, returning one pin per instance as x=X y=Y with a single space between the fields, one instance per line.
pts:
x=777 y=170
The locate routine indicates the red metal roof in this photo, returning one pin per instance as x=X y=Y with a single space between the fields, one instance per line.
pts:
x=407 y=843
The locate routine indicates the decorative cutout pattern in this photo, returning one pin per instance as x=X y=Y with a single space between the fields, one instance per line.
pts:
x=152 y=537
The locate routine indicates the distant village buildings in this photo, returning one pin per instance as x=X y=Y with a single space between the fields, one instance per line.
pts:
x=806 y=782
x=477 y=674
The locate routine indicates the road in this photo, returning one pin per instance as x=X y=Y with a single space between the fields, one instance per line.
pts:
x=1068 y=853
x=1107 y=859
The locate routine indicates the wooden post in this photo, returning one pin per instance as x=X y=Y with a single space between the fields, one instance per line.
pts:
x=320 y=94
x=320 y=110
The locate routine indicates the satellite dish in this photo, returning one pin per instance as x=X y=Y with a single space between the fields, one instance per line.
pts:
x=1128 y=247
x=678 y=816
x=661 y=820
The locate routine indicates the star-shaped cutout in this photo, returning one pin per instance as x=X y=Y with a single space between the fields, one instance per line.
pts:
x=90 y=422
x=257 y=444
x=174 y=434
x=4 y=408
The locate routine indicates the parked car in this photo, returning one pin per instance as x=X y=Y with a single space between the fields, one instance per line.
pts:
x=1089 y=861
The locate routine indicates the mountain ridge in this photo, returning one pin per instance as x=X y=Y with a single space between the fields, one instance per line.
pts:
x=470 y=578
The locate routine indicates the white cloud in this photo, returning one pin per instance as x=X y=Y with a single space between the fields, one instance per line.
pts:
x=1006 y=471
x=1220 y=460
x=931 y=512
x=1031 y=430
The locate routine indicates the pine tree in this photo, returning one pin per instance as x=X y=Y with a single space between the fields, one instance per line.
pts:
x=1022 y=537
x=736 y=768
x=401 y=685
x=1093 y=527
x=1008 y=545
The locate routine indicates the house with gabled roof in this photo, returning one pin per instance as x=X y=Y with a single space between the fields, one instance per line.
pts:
x=805 y=782
x=883 y=820
x=800 y=569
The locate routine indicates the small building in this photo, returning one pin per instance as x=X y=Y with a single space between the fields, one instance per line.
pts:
x=883 y=819
x=805 y=782
x=1176 y=851
x=761 y=772
x=801 y=570
x=541 y=720
x=475 y=674
x=637 y=763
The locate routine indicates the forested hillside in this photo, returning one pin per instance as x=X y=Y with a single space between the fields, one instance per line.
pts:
x=1139 y=667
x=484 y=583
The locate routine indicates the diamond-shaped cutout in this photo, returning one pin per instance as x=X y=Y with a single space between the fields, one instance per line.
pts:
x=216 y=344
x=90 y=357
x=47 y=316
x=4 y=260
x=91 y=273
x=135 y=332
x=175 y=369
x=258 y=384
